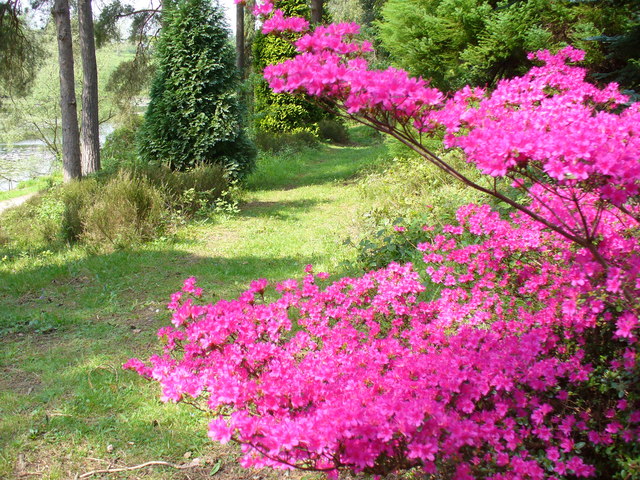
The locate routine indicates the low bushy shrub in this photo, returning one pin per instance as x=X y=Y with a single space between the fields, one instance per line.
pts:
x=333 y=131
x=76 y=198
x=118 y=208
x=277 y=142
x=128 y=210
x=35 y=223
x=403 y=196
x=187 y=192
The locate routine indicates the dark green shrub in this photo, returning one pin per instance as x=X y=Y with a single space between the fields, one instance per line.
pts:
x=274 y=142
x=278 y=112
x=117 y=208
x=623 y=52
x=333 y=131
x=194 y=115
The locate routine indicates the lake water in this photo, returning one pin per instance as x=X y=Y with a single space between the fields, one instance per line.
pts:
x=24 y=160
x=30 y=159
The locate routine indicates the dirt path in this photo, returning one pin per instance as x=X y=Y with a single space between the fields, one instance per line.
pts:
x=14 y=202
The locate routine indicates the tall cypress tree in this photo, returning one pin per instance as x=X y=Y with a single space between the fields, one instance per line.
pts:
x=194 y=115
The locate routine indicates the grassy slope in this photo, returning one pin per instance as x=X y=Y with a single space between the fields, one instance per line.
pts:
x=68 y=320
x=30 y=186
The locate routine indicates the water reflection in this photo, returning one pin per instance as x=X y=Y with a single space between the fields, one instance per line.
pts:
x=30 y=159
x=24 y=160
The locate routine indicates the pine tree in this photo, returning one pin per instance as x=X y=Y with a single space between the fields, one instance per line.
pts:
x=194 y=115
x=71 y=167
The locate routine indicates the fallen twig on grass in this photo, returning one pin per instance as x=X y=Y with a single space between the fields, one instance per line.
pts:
x=195 y=463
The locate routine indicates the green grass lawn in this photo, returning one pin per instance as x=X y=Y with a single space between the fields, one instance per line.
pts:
x=69 y=319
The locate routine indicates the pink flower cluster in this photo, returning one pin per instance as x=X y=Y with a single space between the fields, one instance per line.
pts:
x=550 y=119
x=279 y=23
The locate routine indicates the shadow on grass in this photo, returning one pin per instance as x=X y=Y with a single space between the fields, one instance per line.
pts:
x=312 y=167
x=282 y=210
x=82 y=292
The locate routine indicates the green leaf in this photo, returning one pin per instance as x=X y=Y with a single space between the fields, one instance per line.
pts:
x=216 y=468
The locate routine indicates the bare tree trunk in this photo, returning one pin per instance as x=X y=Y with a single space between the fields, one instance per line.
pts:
x=90 y=140
x=240 y=53
x=316 y=11
x=70 y=134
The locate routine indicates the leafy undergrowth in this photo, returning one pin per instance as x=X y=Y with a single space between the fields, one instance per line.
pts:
x=69 y=319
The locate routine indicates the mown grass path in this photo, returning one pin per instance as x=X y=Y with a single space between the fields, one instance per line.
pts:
x=15 y=201
x=69 y=319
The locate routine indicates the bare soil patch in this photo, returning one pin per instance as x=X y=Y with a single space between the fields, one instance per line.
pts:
x=18 y=381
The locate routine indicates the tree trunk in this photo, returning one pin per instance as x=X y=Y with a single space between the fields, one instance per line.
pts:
x=90 y=140
x=70 y=134
x=240 y=60
x=316 y=11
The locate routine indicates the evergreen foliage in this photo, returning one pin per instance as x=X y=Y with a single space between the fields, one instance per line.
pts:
x=20 y=51
x=276 y=112
x=477 y=42
x=194 y=115
x=623 y=50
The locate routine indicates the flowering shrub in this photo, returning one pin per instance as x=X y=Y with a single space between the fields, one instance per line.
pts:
x=497 y=375
x=525 y=367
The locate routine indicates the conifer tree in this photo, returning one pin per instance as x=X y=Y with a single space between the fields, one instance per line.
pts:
x=478 y=42
x=194 y=115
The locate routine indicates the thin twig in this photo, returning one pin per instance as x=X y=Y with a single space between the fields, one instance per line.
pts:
x=194 y=463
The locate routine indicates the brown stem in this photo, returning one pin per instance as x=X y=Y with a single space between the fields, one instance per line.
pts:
x=194 y=463
x=438 y=162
